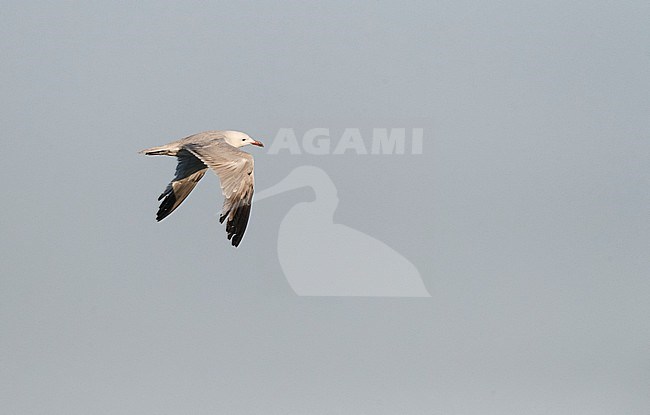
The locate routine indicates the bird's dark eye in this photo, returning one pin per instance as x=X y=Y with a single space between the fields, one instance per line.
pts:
x=243 y=139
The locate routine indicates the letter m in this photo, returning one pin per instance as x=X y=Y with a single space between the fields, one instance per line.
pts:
x=384 y=142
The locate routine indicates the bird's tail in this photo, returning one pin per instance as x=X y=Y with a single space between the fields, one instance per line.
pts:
x=159 y=151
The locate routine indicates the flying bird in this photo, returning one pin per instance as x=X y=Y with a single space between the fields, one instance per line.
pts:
x=219 y=151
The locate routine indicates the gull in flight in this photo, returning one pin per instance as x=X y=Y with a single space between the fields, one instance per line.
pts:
x=219 y=151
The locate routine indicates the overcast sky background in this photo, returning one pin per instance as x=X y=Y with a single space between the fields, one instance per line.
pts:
x=527 y=214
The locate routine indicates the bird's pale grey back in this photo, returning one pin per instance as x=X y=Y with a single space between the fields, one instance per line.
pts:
x=526 y=215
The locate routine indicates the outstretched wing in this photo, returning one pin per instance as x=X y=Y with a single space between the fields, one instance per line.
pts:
x=189 y=171
x=235 y=170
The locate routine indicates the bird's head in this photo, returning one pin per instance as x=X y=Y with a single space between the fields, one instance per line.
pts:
x=239 y=139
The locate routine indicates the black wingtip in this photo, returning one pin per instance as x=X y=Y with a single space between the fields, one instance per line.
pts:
x=166 y=206
x=236 y=226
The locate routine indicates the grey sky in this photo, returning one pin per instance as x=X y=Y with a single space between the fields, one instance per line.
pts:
x=527 y=214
